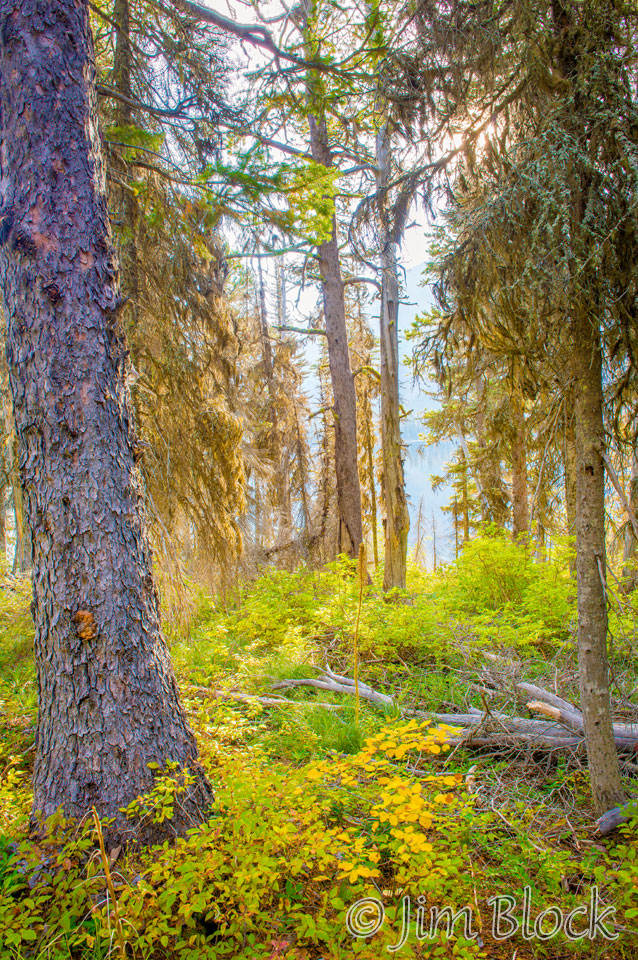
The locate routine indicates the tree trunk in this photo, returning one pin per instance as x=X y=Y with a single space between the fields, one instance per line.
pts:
x=125 y=198
x=433 y=543
x=3 y=526
x=21 y=562
x=342 y=380
x=466 y=501
x=488 y=465
x=108 y=701
x=602 y=756
x=570 y=466
x=397 y=517
x=630 y=574
x=350 y=526
x=520 y=509
x=369 y=451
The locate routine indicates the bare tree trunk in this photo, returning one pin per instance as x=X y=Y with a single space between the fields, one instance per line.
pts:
x=257 y=495
x=369 y=447
x=602 y=756
x=630 y=574
x=303 y=481
x=3 y=525
x=397 y=517
x=433 y=543
x=21 y=562
x=342 y=380
x=570 y=466
x=466 y=504
x=22 y=551
x=488 y=466
x=108 y=701
x=126 y=198
x=520 y=508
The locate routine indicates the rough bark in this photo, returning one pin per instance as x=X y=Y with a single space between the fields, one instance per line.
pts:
x=125 y=199
x=570 y=468
x=3 y=525
x=488 y=465
x=341 y=378
x=397 y=517
x=520 y=508
x=591 y=566
x=465 y=497
x=630 y=574
x=108 y=701
x=21 y=562
x=369 y=452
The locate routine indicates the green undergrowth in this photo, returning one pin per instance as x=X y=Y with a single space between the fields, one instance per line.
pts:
x=314 y=811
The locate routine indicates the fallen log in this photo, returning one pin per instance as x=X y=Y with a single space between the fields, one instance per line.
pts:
x=561 y=730
x=615 y=818
x=625 y=734
x=263 y=701
x=336 y=684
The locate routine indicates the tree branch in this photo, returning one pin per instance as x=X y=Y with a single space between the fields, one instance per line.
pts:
x=613 y=476
x=308 y=332
x=249 y=33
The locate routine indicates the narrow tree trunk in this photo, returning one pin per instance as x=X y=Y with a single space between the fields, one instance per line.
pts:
x=602 y=756
x=520 y=508
x=21 y=561
x=630 y=574
x=257 y=495
x=570 y=466
x=126 y=199
x=466 y=502
x=303 y=480
x=433 y=544
x=396 y=506
x=108 y=701
x=397 y=517
x=22 y=552
x=3 y=525
x=342 y=380
x=369 y=448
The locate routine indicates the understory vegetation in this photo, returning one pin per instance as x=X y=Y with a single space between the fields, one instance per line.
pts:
x=314 y=811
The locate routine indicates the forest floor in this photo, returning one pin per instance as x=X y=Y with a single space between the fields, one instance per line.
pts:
x=325 y=830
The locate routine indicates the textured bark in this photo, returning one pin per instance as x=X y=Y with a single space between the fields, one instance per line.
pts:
x=602 y=756
x=21 y=562
x=570 y=467
x=341 y=378
x=464 y=494
x=630 y=574
x=3 y=525
x=488 y=465
x=397 y=517
x=369 y=452
x=433 y=543
x=520 y=508
x=108 y=701
x=125 y=199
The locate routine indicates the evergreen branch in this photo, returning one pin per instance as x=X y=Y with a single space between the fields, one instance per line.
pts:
x=298 y=248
